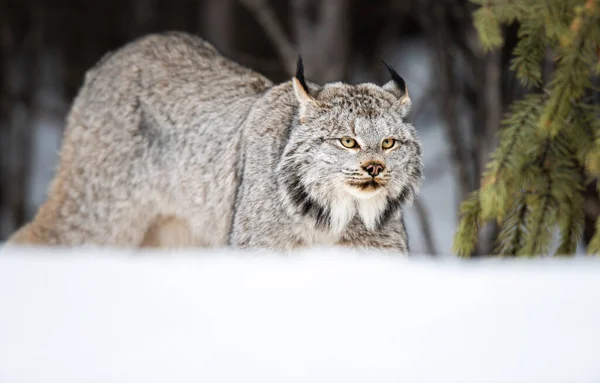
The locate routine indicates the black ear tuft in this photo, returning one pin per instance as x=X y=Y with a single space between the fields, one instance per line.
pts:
x=300 y=74
x=396 y=77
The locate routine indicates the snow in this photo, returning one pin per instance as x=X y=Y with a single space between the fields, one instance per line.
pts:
x=321 y=315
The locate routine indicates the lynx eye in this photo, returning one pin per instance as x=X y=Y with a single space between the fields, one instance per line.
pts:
x=388 y=143
x=348 y=142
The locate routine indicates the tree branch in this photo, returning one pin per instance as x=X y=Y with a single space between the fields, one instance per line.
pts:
x=425 y=227
x=436 y=25
x=322 y=31
x=265 y=16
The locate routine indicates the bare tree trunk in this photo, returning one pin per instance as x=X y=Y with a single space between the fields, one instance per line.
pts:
x=450 y=94
x=5 y=107
x=591 y=204
x=485 y=141
x=144 y=13
x=216 y=19
x=450 y=25
x=425 y=228
x=20 y=127
x=265 y=15
x=322 y=31
x=23 y=130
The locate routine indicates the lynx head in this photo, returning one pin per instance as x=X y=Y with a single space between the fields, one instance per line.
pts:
x=350 y=152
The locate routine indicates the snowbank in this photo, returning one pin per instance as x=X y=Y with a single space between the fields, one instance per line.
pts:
x=319 y=316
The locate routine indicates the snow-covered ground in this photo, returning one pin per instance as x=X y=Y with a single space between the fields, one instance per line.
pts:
x=326 y=315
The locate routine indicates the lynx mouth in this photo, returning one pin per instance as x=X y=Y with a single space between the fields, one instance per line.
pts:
x=364 y=189
x=370 y=185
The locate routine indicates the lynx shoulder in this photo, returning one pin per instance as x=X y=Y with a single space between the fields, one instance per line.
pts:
x=168 y=143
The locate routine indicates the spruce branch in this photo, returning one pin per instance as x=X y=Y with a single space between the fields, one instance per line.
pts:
x=529 y=53
x=488 y=28
x=594 y=246
x=511 y=237
x=542 y=206
x=497 y=185
x=550 y=142
x=571 y=223
x=466 y=235
x=576 y=54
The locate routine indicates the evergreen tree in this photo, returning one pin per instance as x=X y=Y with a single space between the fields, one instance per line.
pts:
x=549 y=146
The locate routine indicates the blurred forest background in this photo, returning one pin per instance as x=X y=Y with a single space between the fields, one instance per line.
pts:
x=459 y=92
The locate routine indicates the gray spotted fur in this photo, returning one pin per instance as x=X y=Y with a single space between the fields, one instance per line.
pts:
x=167 y=127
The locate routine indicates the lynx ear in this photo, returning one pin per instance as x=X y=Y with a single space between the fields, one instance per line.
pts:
x=397 y=86
x=302 y=92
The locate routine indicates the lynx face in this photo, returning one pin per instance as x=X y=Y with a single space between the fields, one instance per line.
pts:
x=352 y=153
x=364 y=150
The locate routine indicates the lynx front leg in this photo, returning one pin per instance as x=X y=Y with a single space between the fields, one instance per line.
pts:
x=168 y=232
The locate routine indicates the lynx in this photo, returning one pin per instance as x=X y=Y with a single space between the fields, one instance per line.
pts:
x=170 y=144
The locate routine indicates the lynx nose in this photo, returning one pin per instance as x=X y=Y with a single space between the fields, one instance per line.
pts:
x=373 y=168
